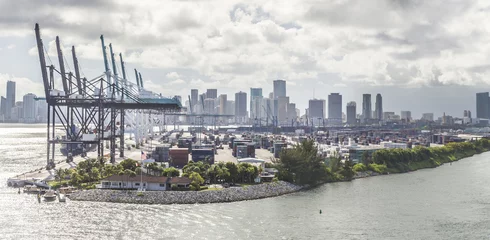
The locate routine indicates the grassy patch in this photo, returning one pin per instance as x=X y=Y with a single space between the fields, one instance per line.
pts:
x=58 y=184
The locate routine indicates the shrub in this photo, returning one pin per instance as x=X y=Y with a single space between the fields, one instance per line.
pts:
x=379 y=168
x=140 y=194
x=359 y=167
x=174 y=187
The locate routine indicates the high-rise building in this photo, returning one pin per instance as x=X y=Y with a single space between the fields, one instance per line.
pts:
x=379 y=107
x=282 y=109
x=482 y=105
x=255 y=102
x=16 y=112
x=316 y=108
x=467 y=114
x=256 y=108
x=212 y=93
x=29 y=108
x=10 y=98
x=406 y=115
x=230 y=107
x=194 y=97
x=428 y=117
x=3 y=106
x=335 y=108
x=366 y=108
x=351 y=113
x=279 y=88
x=222 y=103
x=241 y=106
x=209 y=105
x=292 y=111
x=42 y=111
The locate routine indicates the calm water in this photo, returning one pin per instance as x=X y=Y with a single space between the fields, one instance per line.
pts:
x=449 y=202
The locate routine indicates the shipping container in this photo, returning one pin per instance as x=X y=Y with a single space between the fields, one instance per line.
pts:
x=203 y=155
x=278 y=148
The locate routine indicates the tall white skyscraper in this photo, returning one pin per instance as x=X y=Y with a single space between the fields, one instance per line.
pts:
x=10 y=99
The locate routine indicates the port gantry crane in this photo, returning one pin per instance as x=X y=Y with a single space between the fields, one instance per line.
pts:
x=92 y=111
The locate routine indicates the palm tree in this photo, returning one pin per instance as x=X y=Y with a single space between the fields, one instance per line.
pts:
x=59 y=174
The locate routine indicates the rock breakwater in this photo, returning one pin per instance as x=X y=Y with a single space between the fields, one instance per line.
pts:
x=231 y=194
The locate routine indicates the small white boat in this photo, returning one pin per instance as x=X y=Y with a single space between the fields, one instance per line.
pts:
x=49 y=196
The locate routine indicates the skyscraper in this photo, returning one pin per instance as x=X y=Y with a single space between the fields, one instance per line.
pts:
x=254 y=93
x=366 y=108
x=10 y=98
x=29 y=108
x=335 y=108
x=482 y=105
x=241 y=106
x=194 y=97
x=282 y=109
x=351 y=113
x=212 y=93
x=3 y=105
x=279 y=88
x=379 y=107
x=222 y=103
x=316 y=108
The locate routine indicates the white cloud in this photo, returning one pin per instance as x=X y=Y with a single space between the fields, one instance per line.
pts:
x=11 y=46
x=232 y=44
x=172 y=75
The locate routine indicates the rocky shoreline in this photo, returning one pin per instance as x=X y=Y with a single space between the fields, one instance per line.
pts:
x=231 y=194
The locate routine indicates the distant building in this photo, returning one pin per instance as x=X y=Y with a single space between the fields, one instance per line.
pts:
x=389 y=115
x=406 y=115
x=279 y=88
x=194 y=97
x=467 y=114
x=3 y=107
x=209 y=105
x=291 y=114
x=379 y=107
x=42 y=111
x=222 y=104
x=316 y=110
x=428 y=117
x=482 y=105
x=255 y=93
x=351 y=113
x=10 y=100
x=282 y=109
x=16 y=112
x=29 y=108
x=212 y=93
x=230 y=107
x=335 y=108
x=366 y=108
x=241 y=106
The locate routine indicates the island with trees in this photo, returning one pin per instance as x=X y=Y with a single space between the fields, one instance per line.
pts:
x=298 y=168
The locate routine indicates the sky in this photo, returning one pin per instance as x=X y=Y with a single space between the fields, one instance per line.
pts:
x=422 y=56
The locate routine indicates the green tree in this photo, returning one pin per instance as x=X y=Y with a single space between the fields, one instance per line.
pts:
x=171 y=172
x=196 y=180
x=59 y=174
x=301 y=164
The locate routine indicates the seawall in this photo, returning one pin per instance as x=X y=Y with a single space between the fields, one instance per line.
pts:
x=231 y=194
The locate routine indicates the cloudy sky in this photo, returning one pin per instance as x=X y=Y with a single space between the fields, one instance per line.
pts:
x=423 y=56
